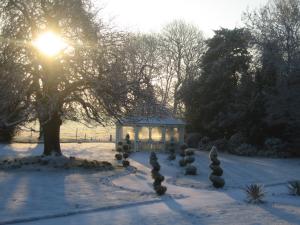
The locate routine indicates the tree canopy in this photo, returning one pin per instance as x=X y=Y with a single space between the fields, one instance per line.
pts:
x=89 y=80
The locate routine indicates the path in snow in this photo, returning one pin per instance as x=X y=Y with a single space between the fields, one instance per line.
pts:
x=127 y=197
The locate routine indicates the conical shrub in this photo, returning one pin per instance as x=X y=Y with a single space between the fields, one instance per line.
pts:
x=217 y=172
x=189 y=159
x=119 y=156
x=171 y=149
x=158 y=178
x=182 y=162
x=126 y=151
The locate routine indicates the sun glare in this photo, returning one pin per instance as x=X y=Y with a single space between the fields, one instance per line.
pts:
x=50 y=43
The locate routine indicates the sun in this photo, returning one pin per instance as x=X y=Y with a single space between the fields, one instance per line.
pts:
x=50 y=43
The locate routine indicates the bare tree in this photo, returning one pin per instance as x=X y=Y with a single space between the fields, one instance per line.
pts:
x=87 y=81
x=276 y=28
x=182 y=46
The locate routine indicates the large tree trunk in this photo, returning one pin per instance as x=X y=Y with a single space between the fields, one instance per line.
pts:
x=52 y=135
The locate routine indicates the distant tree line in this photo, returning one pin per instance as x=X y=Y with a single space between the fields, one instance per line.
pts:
x=248 y=80
x=241 y=82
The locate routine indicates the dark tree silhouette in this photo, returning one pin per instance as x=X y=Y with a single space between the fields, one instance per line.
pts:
x=87 y=81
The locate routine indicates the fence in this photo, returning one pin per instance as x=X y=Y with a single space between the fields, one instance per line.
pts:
x=71 y=132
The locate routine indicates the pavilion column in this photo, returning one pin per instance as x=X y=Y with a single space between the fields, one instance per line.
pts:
x=150 y=139
x=150 y=133
x=117 y=135
x=164 y=137
x=136 y=138
x=181 y=135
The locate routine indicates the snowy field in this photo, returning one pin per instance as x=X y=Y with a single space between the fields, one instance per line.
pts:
x=35 y=197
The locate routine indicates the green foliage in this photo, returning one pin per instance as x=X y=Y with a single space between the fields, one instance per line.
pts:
x=248 y=80
x=118 y=156
x=189 y=152
x=191 y=170
x=211 y=96
x=125 y=163
x=119 y=149
x=171 y=149
x=188 y=160
x=255 y=193
x=182 y=162
x=294 y=187
x=182 y=149
x=7 y=134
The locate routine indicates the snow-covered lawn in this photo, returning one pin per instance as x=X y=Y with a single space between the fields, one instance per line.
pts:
x=127 y=197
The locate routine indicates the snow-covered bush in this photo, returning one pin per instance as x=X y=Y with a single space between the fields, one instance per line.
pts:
x=255 y=193
x=119 y=156
x=158 y=178
x=171 y=149
x=245 y=149
x=125 y=163
x=57 y=162
x=217 y=172
x=236 y=140
x=182 y=149
x=294 y=187
x=221 y=144
x=274 y=144
x=182 y=162
x=7 y=134
x=193 y=140
x=129 y=143
x=205 y=140
x=189 y=152
x=189 y=159
x=126 y=150
x=190 y=170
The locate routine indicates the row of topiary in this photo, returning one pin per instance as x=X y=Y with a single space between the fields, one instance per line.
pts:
x=158 y=178
x=188 y=158
x=124 y=149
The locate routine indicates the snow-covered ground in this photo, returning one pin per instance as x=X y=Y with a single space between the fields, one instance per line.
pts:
x=126 y=196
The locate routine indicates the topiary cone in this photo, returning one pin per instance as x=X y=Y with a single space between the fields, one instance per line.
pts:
x=217 y=172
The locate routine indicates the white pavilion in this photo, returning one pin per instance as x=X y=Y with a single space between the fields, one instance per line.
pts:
x=150 y=133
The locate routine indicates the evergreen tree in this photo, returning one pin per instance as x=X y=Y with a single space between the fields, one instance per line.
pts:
x=224 y=69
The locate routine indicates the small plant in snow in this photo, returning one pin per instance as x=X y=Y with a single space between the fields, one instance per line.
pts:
x=294 y=187
x=255 y=193
x=158 y=178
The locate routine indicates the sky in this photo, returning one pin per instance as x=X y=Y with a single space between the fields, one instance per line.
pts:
x=152 y=15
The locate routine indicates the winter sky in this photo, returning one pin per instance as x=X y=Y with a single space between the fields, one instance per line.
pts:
x=151 y=15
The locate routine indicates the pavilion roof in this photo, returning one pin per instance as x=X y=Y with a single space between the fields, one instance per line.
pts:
x=139 y=120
